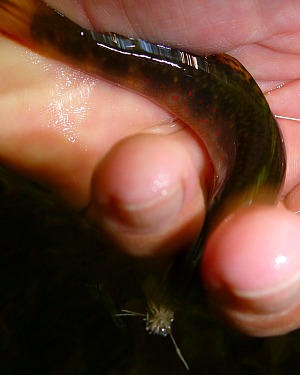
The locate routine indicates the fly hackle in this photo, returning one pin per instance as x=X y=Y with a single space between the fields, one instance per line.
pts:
x=159 y=321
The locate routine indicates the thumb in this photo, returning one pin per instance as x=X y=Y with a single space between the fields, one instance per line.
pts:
x=146 y=194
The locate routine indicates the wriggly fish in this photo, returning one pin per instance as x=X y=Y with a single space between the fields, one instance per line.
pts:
x=214 y=95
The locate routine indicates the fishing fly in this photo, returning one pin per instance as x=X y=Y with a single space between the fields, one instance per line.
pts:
x=159 y=321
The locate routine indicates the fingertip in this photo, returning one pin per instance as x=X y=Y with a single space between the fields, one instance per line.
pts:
x=251 y=268
x=141 y=193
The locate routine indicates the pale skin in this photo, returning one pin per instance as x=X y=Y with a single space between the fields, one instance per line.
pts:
x=135 y=172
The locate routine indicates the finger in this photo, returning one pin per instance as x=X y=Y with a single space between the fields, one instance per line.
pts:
x=147 y=195
x=251 y=269
x=292 y=200
x=195 y=24
x=50 y=114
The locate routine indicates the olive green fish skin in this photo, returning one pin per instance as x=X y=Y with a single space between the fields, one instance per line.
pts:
x=214 y=95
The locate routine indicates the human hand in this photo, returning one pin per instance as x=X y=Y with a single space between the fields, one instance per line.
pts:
x=90 y=141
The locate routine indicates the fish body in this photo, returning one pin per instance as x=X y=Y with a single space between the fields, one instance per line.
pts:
x=214 y=95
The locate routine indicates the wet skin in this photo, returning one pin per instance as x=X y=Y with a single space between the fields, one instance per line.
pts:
x=120 y=148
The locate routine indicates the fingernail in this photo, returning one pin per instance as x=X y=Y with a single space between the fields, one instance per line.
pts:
x=279 y=298
x=149 y=214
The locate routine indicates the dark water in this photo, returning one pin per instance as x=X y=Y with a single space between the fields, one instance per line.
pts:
x=61 y=286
